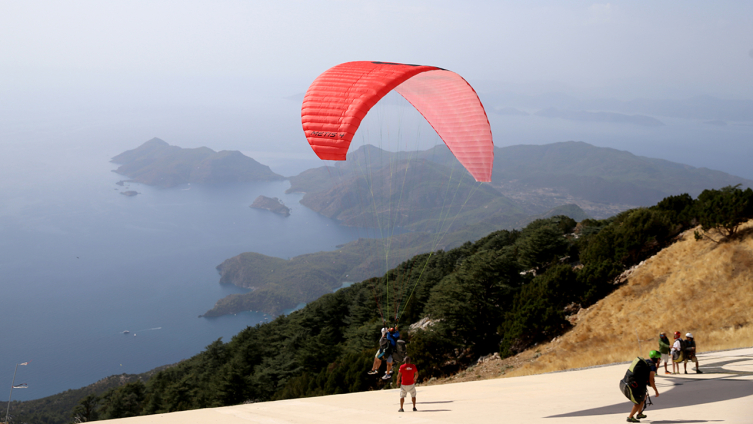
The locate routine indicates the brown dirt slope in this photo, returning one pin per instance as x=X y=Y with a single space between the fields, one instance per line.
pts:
x=701 y=287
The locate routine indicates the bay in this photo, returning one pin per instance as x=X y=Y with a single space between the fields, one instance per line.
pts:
x=80 y=263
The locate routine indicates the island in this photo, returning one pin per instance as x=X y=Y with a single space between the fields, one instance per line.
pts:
x=271 y=204
x=157 y=163
x=129 y=193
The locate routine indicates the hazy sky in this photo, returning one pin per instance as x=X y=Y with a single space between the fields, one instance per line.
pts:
x=624 y=48
x=135 y=56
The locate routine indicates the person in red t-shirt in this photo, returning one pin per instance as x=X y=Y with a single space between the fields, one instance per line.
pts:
x=406 y=377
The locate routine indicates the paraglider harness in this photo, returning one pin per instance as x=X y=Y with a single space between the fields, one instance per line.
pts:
x=386 y=349
x=636 y=378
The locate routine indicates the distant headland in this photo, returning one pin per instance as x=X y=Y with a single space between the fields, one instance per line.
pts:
x=157 y=163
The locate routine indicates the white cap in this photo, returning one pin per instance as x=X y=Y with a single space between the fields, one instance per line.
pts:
x=384 y=330
x=689 y=335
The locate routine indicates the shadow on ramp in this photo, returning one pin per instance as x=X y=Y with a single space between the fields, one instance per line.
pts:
x=690 y=392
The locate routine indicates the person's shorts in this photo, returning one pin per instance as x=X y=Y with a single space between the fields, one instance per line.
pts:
x=405 y=389
x=665 y=358
x=636 y=395
x=380 y=355
x=689 y=357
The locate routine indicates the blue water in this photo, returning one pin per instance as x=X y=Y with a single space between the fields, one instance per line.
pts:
x=80 y=263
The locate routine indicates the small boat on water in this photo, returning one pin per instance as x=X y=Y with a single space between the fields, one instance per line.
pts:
x=126 y=331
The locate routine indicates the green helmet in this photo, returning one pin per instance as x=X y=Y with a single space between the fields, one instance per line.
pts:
x=654 y=355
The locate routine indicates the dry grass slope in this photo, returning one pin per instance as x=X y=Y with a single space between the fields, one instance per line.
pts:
x=701 y=287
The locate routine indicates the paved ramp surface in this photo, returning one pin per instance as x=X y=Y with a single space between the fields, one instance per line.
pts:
x=722 y=394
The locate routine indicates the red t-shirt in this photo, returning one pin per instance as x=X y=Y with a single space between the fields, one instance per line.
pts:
x=408 y=373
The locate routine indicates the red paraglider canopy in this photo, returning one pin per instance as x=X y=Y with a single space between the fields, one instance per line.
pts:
x=339 y=99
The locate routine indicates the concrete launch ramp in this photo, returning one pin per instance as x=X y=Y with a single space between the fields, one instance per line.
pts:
x=723 y=394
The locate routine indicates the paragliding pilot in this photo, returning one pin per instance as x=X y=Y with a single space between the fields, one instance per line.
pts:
x=392 y=336
x=634 y=385
x=387 y=345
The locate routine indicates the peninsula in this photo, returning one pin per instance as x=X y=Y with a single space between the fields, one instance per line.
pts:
x=157 y=163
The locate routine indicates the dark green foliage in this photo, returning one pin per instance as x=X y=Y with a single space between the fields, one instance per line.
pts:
x=630 y=238
x=537 y=313
x=345 y=375
x=542 y=242
x=433 y=352
x=595 y=279
x=125 y=401
x=725 y=209
x=471 y=301
x=86 y=410
x=679 y=209
x=497 y=240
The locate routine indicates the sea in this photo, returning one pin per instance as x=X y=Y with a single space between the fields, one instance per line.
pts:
x=95 y=283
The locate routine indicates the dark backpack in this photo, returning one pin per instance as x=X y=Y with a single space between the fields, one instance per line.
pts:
x=683 y=346
x=687 y=347
x=385 y=346
x=638 y=373
x=399 y=353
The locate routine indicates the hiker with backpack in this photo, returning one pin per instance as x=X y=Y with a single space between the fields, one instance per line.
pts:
x=384 y=352
x=677 y=353
x=664 y=350
x=638 y=377
x=689 y=353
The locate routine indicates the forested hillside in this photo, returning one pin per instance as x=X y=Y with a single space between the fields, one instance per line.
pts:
x=503 y=293
x=704 y=287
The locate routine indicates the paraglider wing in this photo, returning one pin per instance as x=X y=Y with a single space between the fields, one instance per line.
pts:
x=339 y=99
x=455 y=112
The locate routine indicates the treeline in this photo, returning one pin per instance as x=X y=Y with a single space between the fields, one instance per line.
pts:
x=503 y=293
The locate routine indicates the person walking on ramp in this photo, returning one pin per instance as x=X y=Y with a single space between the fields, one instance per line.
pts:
x=407 y=375
x=640 y=375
